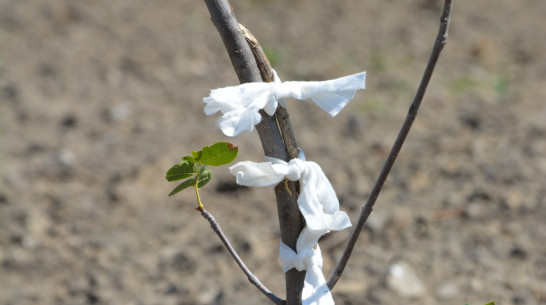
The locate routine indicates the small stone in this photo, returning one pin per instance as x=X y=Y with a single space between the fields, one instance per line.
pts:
x=92 y=297
x=352 y=127
x=471 y=118
x=476 y=211
x=401 y=218
x=120 y=112
x=65 y=157
x=538 y=289
x=210 y=296
x=403 y=280
x=518 y=253
x=476 y=285
x=377 y=221
x=378 y=296
x=10 y=92
x=172 y=289
x=519 y=300
x=420 y=181
x=447 y=291
x=28 y=242
x=351 y=287
x=513 y=201
x=69 y=121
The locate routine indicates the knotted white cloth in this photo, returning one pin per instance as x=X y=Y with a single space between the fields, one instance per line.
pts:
x=319 y=206
x=317 y=200
x=315 y=289
x=240 y=105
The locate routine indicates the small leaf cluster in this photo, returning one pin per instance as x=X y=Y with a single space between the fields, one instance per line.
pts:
x=194 y=168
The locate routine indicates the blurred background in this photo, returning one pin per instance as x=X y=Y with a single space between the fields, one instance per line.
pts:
x=99 y=98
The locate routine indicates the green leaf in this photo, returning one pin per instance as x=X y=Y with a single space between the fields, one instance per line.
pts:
x=183 y=185
x=219 y=154
x=196 y=154
x=490 y=303
x=204 y=178
x=181 y=170
x=189 y=159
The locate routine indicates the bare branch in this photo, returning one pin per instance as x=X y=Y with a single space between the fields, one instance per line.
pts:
x=439 y=44
x=251 y=277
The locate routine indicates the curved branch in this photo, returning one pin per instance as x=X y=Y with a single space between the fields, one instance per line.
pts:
x=251 y=277
x=439 y=44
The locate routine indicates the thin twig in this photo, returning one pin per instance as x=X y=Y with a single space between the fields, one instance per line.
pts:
x=251 y=277
x=439 y=44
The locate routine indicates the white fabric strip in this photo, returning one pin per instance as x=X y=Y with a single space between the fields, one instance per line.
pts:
x=315 y=288
x=319 y=206
x=240 y=105
x=317 y=200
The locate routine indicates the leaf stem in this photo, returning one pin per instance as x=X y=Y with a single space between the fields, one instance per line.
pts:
x=200 y=206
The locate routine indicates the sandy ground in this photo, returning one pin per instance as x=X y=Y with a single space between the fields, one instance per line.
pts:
x=99 y=98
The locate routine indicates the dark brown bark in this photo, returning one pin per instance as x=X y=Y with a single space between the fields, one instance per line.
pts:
x=245 y=66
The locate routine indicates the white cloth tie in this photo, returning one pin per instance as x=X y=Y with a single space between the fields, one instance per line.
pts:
x=317 y=200
x=240 y=105
x=315 y=288
x=319 y=206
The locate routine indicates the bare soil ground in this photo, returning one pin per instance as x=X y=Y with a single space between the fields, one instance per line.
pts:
x=99 y=98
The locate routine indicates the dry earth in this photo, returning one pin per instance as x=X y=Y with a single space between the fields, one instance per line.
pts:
x=99 y=98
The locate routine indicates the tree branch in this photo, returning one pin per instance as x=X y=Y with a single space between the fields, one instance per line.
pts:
x=290 y=219
x=289 y=214
x=439 y=44
x=251 y=277
x=266 y=71
x=247 y=71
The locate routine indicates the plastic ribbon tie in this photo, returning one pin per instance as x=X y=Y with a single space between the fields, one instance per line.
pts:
x=319 y=206
x=240 y=105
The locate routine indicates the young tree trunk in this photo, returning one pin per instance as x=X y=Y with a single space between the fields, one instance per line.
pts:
x=290 y=219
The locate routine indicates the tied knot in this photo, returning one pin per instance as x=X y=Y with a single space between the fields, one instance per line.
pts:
x=317 y=199
x=304 y=259
x=317 y=202
x=315 y=289
x=278 y=92
x=240 y=105
x=294 y=169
